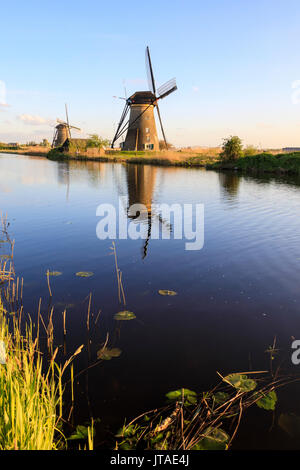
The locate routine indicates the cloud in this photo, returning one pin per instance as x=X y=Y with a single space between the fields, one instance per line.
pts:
x=34 y=120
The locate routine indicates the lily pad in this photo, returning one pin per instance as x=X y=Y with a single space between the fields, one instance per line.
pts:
x=107 y=354
x=124 y=315
x=221 y=397
x=167 y=292
x=241 y=382
x=214 y=439
x=268 y=401
x=54 y=273
x=189 y=396
x=84 y=274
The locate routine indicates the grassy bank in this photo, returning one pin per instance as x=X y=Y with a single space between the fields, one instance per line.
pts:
x=163 y=158
x=282 y=163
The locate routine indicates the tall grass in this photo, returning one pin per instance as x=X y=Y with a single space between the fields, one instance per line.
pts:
x=30 y=398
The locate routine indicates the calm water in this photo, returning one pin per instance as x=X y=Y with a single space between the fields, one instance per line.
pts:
x=234 y=296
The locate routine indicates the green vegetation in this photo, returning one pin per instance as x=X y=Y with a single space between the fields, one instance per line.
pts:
x=95 y=141
x=263 y=162
x=205 y=421
x=30 y=400
x=232 y=148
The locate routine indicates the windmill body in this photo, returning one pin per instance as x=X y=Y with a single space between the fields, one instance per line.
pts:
x=62 y=131
x=142 y=133
x=140 y=128
x=61 y=134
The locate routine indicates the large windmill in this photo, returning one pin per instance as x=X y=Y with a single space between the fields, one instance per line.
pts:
x=62 y=131
x=140 y=126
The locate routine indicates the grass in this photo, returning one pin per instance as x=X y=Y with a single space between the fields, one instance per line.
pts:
x=162 y=158
x=30 y=398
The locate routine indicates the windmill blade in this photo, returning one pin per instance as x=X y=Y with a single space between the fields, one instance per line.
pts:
x=68 y=120
x=67 y=114
x=125 y=91
x=120 y=98
x=161 y=126
x=73 y=127
x=118 y=133
x=149 y=71
x=167 y=88
x=60 y=121
x=54 y=138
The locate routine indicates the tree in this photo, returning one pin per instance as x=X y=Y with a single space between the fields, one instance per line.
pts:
x=45 y=143
x=162 y=145
x=250 y=150
x=232 y=148
x=96 y=141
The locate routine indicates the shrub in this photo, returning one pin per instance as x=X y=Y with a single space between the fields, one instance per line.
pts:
x=232 y=148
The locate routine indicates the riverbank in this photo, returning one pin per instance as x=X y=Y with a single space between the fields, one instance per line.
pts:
x=282 y=163
x=163 y=158
x=187 y=158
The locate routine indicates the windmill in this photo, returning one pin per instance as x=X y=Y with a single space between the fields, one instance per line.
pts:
x=62 y=131
x=140 y=126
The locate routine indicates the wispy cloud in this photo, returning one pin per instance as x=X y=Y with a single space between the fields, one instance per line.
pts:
x=35 y=120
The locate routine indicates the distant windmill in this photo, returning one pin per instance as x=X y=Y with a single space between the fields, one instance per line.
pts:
x=140 y=127
x=62 y=131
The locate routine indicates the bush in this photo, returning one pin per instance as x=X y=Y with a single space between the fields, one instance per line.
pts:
x=232 y=148
x=96 y=141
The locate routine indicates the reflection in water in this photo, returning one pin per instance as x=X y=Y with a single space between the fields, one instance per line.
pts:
x=229 y=182
x=141 y=183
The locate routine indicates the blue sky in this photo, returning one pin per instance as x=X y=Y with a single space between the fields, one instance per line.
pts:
x=236 y=63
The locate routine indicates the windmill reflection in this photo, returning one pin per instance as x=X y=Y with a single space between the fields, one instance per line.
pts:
x=141 y=182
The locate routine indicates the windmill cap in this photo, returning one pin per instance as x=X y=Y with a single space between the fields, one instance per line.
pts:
x=142 y=97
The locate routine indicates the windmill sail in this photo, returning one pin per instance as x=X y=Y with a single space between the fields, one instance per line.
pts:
x=149 y=70
x=167 y=88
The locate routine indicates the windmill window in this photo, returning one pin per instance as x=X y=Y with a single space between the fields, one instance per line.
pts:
x=148 y=138
x=147 y=130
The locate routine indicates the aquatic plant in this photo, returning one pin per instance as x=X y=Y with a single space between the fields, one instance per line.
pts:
x=202 y=421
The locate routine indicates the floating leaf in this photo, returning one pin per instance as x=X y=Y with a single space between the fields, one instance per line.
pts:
x=54 y=273
x=214 y=439
x=167 y=292
x=189 y=396
x=107 y=354
x=268 y=401
x=124 y=315
x=240 y=382
x=84 y=274
x=221 y=397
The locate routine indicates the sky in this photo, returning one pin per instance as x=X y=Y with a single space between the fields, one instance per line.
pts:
x=236 y=62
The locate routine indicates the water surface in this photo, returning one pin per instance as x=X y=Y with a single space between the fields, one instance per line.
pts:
x=234 y=295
